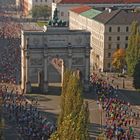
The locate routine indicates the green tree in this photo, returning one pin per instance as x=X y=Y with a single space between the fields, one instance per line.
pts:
x=74 y=93
x=65 y=85
x=82 y=127
x=136 y=76
x=119 y=59
x=73 y=120
x=41 y=11
x=133 y=50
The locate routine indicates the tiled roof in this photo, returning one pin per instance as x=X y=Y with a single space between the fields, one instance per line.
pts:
x=105 y=16
x=118 y=17
x=125 y=17
x=98 y=1
x=81 y=9
x=109 y=16
x=91 y=13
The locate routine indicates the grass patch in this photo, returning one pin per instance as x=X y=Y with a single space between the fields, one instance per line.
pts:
x=42 y=23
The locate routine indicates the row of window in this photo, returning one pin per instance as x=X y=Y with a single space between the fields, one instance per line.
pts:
x=40 y=0
x=118 y=38
x=117 y=46
x=119 y=29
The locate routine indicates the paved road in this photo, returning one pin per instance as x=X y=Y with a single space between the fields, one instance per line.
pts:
x=134 y=99
x=50 y=105
x=52 y=108
x=10 y=130
x=128 y=94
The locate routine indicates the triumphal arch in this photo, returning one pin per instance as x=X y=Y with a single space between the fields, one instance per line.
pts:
x=45 y=55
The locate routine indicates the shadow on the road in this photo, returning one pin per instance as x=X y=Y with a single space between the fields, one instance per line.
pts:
x=49 y=116
x=90 y=95
x=10 y=129
x=131 y=96
x=52 y=90
x=94 y=130
x=40 y=97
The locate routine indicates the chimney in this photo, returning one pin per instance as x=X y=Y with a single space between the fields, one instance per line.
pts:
x=108 y=9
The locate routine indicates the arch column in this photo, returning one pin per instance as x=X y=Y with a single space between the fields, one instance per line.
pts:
x=45 y=84
x=87 y=68
x=62 y=72
x=28 y=83
x=69 y=56
x=23 y=69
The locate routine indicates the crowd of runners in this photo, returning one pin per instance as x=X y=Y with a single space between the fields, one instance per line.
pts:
x=31 y=124
x=10 y=58
x=10 y=29
x=9 y=61
x=119 y=116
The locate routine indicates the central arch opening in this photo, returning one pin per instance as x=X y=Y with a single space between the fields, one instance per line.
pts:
x=55 y=70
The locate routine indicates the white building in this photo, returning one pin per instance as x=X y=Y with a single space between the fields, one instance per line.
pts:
x=63 y=6
x=109 y=31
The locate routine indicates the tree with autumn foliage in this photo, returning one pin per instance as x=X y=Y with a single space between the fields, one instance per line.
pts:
x=119 y=62
x=74 y=115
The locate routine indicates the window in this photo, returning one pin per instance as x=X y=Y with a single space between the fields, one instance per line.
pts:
x=118 y=46
x=109 y=46
x=126 y=45
x=127 y=29
x=118 y=38
x=108 y=65
x=126 y=38
x=109 y=55
x=110 y=29
x=36 y=0
x=40 y=0
x=45 y=0
x=109 y=38
x=118 y=29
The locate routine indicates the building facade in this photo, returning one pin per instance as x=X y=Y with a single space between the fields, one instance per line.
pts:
x=109 y=31
x=63 y=6
x=45 y=55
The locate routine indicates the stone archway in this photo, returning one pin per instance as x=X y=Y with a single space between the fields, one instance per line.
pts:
x=56 y=48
